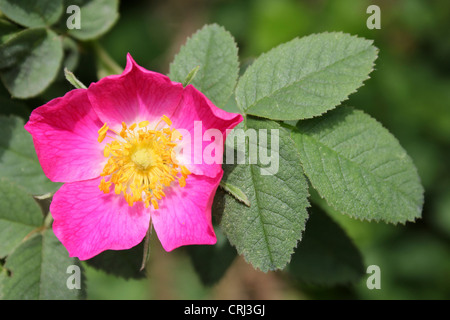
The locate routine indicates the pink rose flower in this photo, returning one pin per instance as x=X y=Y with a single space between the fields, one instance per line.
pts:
x=116 y=147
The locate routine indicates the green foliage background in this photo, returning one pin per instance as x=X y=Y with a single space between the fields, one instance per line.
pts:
x=409 y=93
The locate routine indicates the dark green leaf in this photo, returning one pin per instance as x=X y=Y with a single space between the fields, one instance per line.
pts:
x=214 y=50
x=97 y=17
x=19 y=216
x=266 y=232
x=38 y=271
x=305 y=77
x=18 y=160
x=29 y=61
x=359 y=167
x=36 y=13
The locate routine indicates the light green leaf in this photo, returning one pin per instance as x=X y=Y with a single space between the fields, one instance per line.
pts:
x=18 y=160
x=97 y=17
x=231 y=106
x=19 y=216
x=214 y=50
x=73 y=79
x=266 y=232
x=38 y=271
x=29 y=61
x=326 y=255
x=191 y=75
x=305 y=77
x=235 y=192
x=359 y=167
x=36 y=13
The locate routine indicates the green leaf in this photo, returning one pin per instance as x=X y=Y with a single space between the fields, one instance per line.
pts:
x=7 y=30
x=215 y=51
x=266 y=232
x=305 y=77
x=3 y=276
x=38 y=271
x=18 y=160
x=36 y=13
x=235 y=192
x=326 y=255
x=29 y=61
x=191 y=75
x=73 y=79
x=97 y=17
x=231 y=106
x=19 y=216
x=359 y=167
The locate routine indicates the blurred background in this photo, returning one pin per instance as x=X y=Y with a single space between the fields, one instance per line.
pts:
x=409 y=93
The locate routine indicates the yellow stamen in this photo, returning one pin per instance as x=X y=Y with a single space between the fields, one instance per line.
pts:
x=102 y=133
x=182 y=181
x=104 y=186
x=123 y=133
x=140 y=162
x=166 y=120
x=143 y=124
x=184 y=171
x=106 y=151
x=176 y=135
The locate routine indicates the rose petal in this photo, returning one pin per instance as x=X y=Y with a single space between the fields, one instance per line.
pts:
x=65 y=136
x=87 y=221
x=135 y=95
x=204 y=122
x=184 y=215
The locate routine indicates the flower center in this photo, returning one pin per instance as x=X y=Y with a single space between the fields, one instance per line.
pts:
x=141 y=161
x=142 y=158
